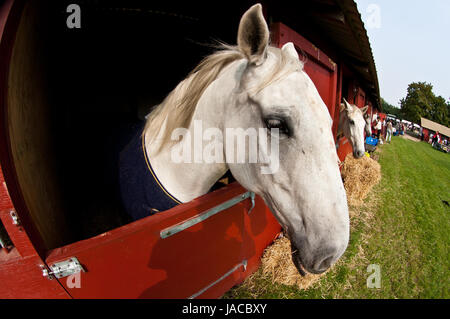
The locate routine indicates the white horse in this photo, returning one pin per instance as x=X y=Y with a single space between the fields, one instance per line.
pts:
x=252 y=86
x=352 y=125
x=368 y=126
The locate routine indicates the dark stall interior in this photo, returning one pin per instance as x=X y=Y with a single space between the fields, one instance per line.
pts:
x=95 y=84
x=126 y=58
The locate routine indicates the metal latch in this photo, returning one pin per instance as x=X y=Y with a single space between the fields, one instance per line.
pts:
x=62 y=269
x=199 y=218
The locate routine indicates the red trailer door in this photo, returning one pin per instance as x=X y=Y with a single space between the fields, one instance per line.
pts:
x=169 y=255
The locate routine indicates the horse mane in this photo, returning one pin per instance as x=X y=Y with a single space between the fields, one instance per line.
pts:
x=177 y=109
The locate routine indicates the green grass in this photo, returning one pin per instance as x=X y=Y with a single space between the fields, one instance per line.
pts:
x=404 y=228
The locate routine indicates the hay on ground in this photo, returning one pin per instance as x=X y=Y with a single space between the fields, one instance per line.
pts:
x=360 y=175
x=277 y=265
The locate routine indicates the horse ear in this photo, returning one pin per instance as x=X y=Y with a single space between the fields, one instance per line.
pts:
x=364 y=109
x=253 y=35
x=290 y=50
x=342 y=107
x=348 y=107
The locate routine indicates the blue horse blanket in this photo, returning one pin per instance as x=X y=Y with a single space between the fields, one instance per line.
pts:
x=141 y=191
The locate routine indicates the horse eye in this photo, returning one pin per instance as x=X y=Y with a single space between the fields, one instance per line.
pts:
x=352 y=122
x=277 y=123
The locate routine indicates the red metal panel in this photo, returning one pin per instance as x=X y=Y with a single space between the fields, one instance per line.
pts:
x=17 y=233
x=22 y=278
x=320 y=68
x=261 y=229
x=338 y=101
x=282 y=34
x=352 y=92
x=325 y=82
x=344 y=148
x=323 y=72
x=360 y=99
x=134 y=262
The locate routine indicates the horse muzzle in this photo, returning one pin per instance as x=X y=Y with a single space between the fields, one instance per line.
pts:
x=358 y=154
x=316 y=263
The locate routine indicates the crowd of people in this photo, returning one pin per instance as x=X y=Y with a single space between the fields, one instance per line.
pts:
x=392 y=127
x=437 y=139
x=389 y=127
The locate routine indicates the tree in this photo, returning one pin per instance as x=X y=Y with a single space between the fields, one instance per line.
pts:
x=441 y=111
x=390 y=109
x=420 y=101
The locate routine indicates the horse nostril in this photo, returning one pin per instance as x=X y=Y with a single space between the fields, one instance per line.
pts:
x=323 y=265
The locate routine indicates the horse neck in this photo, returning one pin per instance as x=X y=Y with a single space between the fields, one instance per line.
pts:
x=186 y=181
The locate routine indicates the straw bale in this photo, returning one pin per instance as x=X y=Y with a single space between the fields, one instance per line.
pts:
x=360 y=176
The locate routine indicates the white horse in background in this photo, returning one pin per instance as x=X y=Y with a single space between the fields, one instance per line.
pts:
x=368 y=126
x=254 y=85
x=352 y=125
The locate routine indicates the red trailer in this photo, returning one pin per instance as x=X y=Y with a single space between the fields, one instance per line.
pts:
x=195 y=250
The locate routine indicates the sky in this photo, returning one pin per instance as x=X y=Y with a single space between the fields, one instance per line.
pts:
x=410 y=41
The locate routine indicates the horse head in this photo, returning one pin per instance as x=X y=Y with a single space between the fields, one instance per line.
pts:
x=305 y=193
x=256 y=87
x=353 y=124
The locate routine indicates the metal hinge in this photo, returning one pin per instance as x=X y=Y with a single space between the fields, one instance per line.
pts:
x=62 y=269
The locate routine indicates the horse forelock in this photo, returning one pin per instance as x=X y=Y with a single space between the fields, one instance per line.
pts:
x=177 y=109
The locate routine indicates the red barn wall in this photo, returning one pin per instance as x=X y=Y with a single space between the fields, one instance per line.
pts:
x=333 y=80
